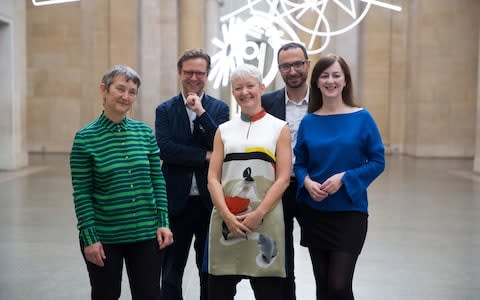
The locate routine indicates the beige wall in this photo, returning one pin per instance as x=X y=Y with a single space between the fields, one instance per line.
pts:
x=55 y=65
x=442 y=78
x=70 y=47
x=417 y=69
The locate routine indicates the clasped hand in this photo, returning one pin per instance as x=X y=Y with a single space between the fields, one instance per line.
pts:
x=320 y=191
x=242 y=225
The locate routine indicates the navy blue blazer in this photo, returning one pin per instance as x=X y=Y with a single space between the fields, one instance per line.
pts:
x=183 y=152
x=274 y=103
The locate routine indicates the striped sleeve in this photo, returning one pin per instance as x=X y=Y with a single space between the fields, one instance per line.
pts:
x=158 y=182
x=81 y=168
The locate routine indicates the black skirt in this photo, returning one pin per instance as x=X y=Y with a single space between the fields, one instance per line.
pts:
x=332 y=231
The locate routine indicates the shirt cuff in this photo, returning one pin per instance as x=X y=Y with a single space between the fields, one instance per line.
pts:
x=89 y=236
x=163 y=220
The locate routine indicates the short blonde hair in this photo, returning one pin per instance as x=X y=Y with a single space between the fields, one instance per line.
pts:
x=246 y=71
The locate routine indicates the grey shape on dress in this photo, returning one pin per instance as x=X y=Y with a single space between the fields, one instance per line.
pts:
x=268 y=248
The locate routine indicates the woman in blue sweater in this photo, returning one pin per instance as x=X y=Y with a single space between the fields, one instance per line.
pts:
x=339 y=152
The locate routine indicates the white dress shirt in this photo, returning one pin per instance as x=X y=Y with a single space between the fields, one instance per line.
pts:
x=294 y=113
x=192 y=116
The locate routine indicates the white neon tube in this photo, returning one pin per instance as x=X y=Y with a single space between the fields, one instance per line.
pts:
x=50 y=2
x=383 y=4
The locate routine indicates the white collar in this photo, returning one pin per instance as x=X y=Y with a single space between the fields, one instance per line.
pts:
x=305 y=99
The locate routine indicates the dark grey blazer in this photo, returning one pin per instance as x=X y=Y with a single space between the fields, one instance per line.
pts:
x=274 y=103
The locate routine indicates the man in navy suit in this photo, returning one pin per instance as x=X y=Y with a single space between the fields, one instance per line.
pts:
x=290 y=104
x=185 y=126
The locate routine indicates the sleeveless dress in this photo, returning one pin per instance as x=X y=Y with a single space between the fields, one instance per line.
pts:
x=248 y=172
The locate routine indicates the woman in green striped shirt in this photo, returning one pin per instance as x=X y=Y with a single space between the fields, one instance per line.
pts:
x=119 y=194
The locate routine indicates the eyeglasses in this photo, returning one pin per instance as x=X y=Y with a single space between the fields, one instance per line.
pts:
x=190 y=74
x=298 y=66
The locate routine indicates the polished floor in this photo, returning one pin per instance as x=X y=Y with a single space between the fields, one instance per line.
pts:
x=423 y=240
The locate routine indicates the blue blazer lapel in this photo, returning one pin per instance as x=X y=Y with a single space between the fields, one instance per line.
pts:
x=181 y=113
x=278 y=105
x=281 y=102
x=206 y=101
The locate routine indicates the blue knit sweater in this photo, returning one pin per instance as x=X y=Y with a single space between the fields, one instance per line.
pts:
x=330 y=144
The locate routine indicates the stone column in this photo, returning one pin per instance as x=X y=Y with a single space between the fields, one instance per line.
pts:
x=212 y=16
x=346 y=44
x=157 y=50
x=398 y=87
x=109 y=36
x=13 y=149
x=476 y=164
x=95 y=55
x=191 y=24
x=123 y=30
x=374 y=85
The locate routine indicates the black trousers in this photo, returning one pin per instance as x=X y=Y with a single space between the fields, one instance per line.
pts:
x=193 y=222
x=289 y=212
x=143 y=261
x=225 y=287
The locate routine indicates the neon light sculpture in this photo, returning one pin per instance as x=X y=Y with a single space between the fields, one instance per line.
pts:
x=254 y=32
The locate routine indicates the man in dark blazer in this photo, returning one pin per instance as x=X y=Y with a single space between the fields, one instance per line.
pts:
x=290 y=104
x=185 y=126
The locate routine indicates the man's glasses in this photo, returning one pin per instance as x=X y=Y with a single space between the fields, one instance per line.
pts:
x=298 y=66
x=190 y=74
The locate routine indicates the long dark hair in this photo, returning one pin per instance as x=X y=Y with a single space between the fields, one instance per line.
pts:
x=316 y=99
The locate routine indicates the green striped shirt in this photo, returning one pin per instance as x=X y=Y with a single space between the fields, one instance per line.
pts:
x=118 y=187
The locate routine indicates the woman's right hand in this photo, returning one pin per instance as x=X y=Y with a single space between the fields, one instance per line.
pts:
x=315 y=189
x=94 y=253
x=235 y=225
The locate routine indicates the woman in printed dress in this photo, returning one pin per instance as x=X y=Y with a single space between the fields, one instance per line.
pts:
x=249 y=170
